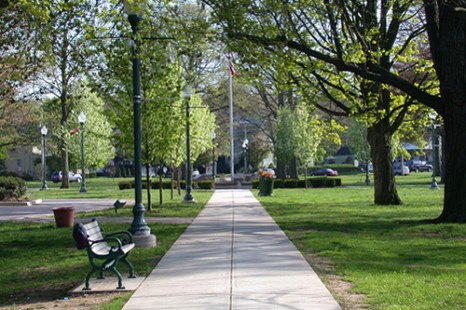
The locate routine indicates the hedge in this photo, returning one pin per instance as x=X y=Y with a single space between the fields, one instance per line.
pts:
x=12 y=188
x=293 y=183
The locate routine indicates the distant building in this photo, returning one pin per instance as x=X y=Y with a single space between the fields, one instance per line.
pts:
x=342 y=156
x=20 y=160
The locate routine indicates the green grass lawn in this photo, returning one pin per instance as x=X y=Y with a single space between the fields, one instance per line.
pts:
x=40 y=261
x=389 y=253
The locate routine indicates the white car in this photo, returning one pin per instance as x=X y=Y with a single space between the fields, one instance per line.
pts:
x=397 y=170
x=72 y=177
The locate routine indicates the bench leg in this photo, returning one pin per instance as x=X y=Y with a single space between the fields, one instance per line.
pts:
x=130 y=266
x=120 y=280
x=86 y=286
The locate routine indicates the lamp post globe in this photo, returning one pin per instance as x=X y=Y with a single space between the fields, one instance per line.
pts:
x=188 y=197
x=43 y=132
x=141 y=231
x=245 y=150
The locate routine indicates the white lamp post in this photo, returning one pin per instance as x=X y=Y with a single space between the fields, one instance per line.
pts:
x=245 y=151
x=82 y=120
x=433 y=116
x=43 y=132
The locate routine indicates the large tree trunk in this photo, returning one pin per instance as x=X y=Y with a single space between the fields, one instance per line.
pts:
x=454 y=206
x=385 y=192
x=280 y=169
x=446 y=22
x=293 y=168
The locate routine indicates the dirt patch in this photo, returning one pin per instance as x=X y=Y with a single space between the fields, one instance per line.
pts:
x=89 y=301
x=340 y=289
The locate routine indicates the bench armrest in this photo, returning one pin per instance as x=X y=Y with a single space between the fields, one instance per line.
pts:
x=126 y=238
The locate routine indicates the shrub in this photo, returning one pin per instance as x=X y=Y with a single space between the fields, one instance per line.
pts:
x=12 y=188
x=278 y=183
x=290 y=183
x=165 y=185
x=255 y=184
x=205 y=184
x=124 y=185
x=302 y=184
x=325 y=182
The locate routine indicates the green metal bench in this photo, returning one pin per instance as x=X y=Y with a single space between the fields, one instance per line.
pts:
x=106 y=250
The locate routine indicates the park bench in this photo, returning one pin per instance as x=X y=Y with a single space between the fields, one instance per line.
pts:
x=104 y=250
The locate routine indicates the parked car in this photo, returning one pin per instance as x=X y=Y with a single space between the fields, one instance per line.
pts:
x=56 y=177
x=325 y=172
x=397 y=170
x=420 y=166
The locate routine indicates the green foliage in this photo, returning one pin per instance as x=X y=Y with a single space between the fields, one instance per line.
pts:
x=98 y=132
x=324 y=182
x=290 y=183
x=124 y=185
x=12 y=188
x=205 y=184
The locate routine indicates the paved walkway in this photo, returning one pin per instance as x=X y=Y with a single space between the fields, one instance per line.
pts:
x=233 y=256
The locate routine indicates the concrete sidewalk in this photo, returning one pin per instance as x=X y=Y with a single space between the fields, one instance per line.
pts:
x=233 y=256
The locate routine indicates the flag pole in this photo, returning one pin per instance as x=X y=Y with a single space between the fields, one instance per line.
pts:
x=231 y=73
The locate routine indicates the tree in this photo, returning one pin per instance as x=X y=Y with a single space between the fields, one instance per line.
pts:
x=445 y=23
x=20 y=111
x=98 y=132
x=65 y=32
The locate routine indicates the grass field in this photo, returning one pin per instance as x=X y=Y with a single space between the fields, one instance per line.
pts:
x=39 y=262
x=389 y=253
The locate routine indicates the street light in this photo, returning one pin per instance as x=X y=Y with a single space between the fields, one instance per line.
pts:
x=44 y=132
x=82 y=120
x=433 y=116
x=245 y=151
x=214 y=135
x=139 y=228
x=188 y=197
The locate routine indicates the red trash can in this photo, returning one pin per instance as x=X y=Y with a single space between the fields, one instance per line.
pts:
x=64 y=216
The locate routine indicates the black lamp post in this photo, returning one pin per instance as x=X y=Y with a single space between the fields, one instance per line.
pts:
x=188 y=197
x=245 y=151
x=44 y=132
x=433 y=116
x=82 y=120
x=138 y=226
x=214 y=135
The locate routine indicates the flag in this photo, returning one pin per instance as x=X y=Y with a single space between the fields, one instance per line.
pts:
x=74 y=131
x=230 y=65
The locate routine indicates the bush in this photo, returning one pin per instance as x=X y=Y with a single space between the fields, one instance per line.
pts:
x=325 y=182
x=205 y=184
x=278 y=183
x=165 y=185
x=124 y=185
x=290 y=183
x=302 y=184
x=255 y=184
x=12 y=188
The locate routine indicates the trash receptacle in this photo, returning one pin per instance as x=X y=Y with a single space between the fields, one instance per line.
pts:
x=64 y=216
x=265 y=186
